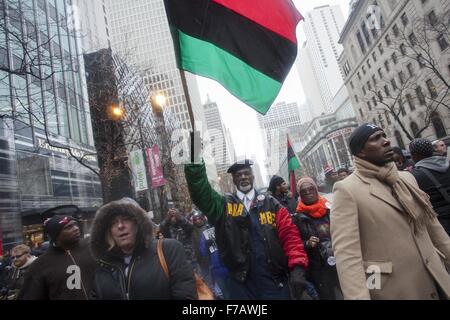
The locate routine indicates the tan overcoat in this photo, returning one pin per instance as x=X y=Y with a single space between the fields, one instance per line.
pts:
x=370 y=232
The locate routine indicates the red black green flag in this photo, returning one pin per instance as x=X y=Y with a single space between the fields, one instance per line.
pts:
x=293 y=164
x=248 y=46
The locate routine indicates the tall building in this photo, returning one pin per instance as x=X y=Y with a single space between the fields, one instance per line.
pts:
x=45 y=120
x=318 y=58
x=276 y=124
x=395 y=65
x=140 y=34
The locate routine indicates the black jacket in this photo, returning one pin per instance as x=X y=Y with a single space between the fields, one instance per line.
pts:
x=440 y=169
x=286 y=201
x=145 y=278
x=56 y=274
x=322 y=268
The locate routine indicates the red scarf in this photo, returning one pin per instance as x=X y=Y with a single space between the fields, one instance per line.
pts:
x=316 y=210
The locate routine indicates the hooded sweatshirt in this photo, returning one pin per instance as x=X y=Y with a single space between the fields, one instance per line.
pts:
x=16 y=276
x=439 y=167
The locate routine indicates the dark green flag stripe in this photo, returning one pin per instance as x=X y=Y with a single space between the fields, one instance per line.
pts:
x=246 y=83
x=259 y=47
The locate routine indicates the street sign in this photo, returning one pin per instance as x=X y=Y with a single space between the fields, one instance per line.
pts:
x=138 y=169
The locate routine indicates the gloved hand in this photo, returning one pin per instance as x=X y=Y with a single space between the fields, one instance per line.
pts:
x=297 y=282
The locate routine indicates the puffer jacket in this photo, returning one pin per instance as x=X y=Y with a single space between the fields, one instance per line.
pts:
x=282 y=244
x=145 y=278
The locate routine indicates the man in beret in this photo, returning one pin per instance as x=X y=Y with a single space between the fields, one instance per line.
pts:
x=65 y=271
x=384 y=230
x=432 y=173
x=257 y=240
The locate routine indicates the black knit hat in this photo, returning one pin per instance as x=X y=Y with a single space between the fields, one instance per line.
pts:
x=360 y=135
x=54 y=225
x=422 y=147
x=274 y=183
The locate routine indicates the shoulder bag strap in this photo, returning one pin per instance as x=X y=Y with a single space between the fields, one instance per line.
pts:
x=439 y=186
x=162 y=260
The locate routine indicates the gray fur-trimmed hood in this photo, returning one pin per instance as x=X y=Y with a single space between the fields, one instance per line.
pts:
x=105 y=214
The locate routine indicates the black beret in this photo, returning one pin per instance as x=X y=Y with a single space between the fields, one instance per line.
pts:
x=240 y=165
x=360 y=135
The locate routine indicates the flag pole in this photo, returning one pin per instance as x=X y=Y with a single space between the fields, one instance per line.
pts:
x=189 y=106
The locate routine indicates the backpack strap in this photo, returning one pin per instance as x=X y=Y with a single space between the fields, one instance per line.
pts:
x=439 y=186
x=162 y=260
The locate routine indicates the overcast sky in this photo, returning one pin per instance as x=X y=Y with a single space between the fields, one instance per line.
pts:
x=240 y=118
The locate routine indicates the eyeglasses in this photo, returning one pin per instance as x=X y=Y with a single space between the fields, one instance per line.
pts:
x=18 y=256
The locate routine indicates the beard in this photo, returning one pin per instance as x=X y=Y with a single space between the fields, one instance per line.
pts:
x=245 y=189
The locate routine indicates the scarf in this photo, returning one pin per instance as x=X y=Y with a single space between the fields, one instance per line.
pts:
x=416 y=203
x=316 y=210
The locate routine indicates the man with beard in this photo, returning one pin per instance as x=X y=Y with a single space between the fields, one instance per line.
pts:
x=65 y=271
x=257 y=240
x=384 y=231
x=439 y=148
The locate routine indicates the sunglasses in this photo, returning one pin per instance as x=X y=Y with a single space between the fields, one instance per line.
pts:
x=18 y=256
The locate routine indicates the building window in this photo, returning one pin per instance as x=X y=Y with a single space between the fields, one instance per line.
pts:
x=368 y=63
x=411 y=103
x=403 y=49
x=432 y=18
x=412 y=39
x=388 y=40
x=361 y=113
x=443 y=44
x=380 y=73
x=394 y=57
x=404 y=19
x=401 y=76
x=394 y=84
x=399 y=139
x=368 y=105
x=374 y=56
x=420 y=95
x=386 y=90
x=364 y=90
x=366 y=33
x=432 y=88
x=356 y=99
x=380 y=96
x=374 y=79
x=374 y=101
x=369 y=86
x=363 y=69
x=420 y=61
x=401 y=107
x=410 y=68
x=359 y=76
x=361 y=42
x=386 y=65
x=380 y=48
x=380 y=120
x=415 y=129
x=351 y=85
x=396 y=30
x=439 y=127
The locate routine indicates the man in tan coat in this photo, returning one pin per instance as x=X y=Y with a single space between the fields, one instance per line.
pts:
x=387 y=241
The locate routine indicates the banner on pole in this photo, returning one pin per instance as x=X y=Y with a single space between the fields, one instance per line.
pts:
x=155 y=166
x=138 y=169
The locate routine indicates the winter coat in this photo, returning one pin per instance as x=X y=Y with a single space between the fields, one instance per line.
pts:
x=60 y=274
x=15 y=278
x=370 y=232
x=145 y=278
x=322 y=266
x=182 y=232
x=440 y=169
x=286 y=201
x=237 y=229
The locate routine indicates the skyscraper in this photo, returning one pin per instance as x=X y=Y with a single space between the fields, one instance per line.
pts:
x=318 y=59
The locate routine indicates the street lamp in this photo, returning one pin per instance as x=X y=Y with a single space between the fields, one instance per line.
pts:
x=116 y=112
x=158 y=101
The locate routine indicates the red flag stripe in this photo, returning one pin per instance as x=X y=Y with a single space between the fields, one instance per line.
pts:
x=280 y=16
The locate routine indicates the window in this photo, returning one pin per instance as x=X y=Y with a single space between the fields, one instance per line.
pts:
x=369 y=86
x=374 y=79
x=386 y=90
x=432 y=89
x=359 y=76
x=394 y=84
x=380 y=96
x=366 y=33
x=364 y=90
x=356 y=99
x=368 y=105
x=443 y=44
x=403 y=49
x=380 y=120
x=380 y=48
x=386 y=115
x=380 y=73
x=374 y=56
x=439 y=127
x=396 y=30
x=368 y=64
x=411 y=103
x=386 y=65
x=361 y=42
x=394 y=57
x=420 y=61
x=420 y=95
x=363 y=70
x=351 y=85
x=432 y=18
x=399 y=138
x=401 y=107
x=374 y=101
x=415 y=129
x=361 y=113
x=388 y=40
x=401 y=76
x=412 y=39
x=410 y=68
x=404 y=19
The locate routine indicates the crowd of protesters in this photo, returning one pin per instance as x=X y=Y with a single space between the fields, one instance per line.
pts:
x=389 y=218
